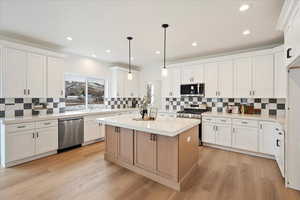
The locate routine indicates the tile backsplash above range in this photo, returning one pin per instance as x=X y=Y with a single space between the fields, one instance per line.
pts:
x=16 y=107
x=265 y=106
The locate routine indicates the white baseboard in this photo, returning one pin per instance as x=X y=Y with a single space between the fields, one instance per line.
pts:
x=93 y=141
x=240 y=151
x=17 y=162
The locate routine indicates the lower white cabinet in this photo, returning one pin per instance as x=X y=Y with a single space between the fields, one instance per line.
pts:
x=208 y=133
x=243 y=134
x=216 y=133
x=245 y=138
x=223 y=135
x=27 y=140
x=20 y=145
x=93 y=130
x=267 y=139
x=46 y=140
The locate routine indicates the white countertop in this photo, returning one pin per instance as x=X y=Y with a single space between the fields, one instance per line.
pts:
x=67 y=114
x=167 y=126
x=270 y=118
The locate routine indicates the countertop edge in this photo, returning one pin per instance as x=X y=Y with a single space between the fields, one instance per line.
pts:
x=148 y=130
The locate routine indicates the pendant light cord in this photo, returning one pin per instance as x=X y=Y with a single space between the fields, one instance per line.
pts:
x=165 y=26
x=129 y=49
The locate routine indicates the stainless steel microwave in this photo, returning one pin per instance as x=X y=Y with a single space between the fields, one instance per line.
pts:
x=197 y=89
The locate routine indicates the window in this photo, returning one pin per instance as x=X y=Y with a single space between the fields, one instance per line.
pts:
x=83 y=92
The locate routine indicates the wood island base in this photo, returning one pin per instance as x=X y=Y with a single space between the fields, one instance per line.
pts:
x=170 y=161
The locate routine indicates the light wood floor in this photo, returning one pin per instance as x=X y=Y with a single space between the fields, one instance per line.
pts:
x=83 y=174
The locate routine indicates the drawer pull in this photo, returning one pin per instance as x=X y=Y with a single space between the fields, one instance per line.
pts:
x=223 y=120
x=48 y=123
x=21 y=127
x=244 y=122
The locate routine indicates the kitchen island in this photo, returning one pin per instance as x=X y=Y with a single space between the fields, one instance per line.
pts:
x=164 y=150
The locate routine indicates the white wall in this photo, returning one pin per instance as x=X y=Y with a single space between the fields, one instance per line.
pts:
x=89 y=67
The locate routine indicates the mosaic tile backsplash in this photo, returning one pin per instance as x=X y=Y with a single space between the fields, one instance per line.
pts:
x=17 y=107
x=266 y=106
x=118 y=103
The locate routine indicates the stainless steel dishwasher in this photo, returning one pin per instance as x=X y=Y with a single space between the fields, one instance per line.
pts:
x=70 y=132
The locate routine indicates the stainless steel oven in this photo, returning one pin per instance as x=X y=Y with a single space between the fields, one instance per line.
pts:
x=196 y=89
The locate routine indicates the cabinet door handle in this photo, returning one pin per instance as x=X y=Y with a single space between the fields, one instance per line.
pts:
x=151 y=137
x=24 y=91
x=243 y=122
x=37 y=134
x=33 y=135
x=278 y=143
x=28 y=91
x=250 y=93
x=253 y=92
x=261 y=126
x=233 y=130
x=288 y=53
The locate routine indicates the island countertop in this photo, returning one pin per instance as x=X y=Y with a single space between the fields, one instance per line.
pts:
x=167 y=126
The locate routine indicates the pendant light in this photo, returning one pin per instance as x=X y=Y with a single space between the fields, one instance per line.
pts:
x=164 y=70
x=129 y=76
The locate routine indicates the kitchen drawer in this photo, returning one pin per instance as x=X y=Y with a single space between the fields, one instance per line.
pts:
x=208 y=119
x=94 y=117
x=245 y=122
x=19 y=127
x=223 y=120
x=46 y=124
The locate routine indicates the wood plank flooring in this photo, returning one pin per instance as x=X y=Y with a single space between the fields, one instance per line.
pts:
x=82 y=174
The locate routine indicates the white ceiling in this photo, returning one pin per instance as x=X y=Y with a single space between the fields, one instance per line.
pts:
x=97 y=25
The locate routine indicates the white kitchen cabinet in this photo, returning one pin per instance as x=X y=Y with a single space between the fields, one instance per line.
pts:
x=243 y=77
x=171 y=83
x=208 y=133
x=223 y=135
x=291 y=36
x=266 y=138
x=211 y=80
x=15 y=67
x=245 y=138
x=226 y=79
x=24 y=74
x=192 y=74
x=28 y=141
x=263 y=73
x=280 y=74
x=46 y=140
x=92 y=129
x=55 y=77
x=36 y=75
x=19 y=145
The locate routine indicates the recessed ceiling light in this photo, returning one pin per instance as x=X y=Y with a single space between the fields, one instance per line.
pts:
x=246 y=32
x=244 y=7
x=194 y=44
x=157 y=52
x=107 y=50
x=94 y=55
x=69 y=38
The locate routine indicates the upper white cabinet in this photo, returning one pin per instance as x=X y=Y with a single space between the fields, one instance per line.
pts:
x=211 y=80
x=280 y=75
x=29 y=72
x=219 y=79
x=24 y=74
x=289 y=22
x=36 y=75
x=171 y=83
x=55 y=77
x=192 y=74
x=121 y=86
x=263 y=73
x=243 y=77
x=254 y=76
x=15 y=67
